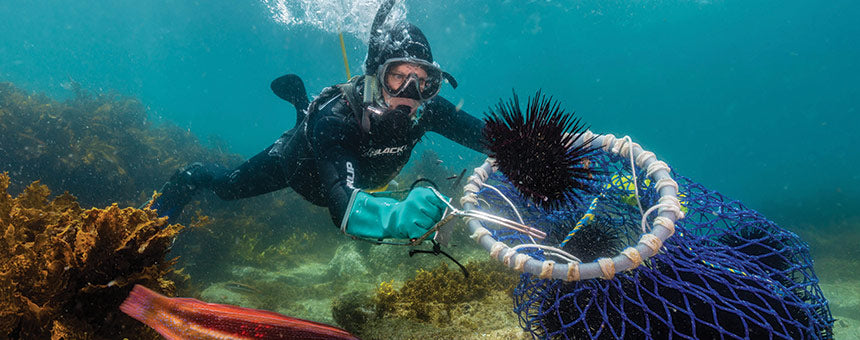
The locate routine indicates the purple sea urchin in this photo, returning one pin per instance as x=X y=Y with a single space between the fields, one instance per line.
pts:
x=531 y=149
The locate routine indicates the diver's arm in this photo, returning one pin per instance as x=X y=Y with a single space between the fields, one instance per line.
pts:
x=457 y=125
x=335 y=164
x=359 y=213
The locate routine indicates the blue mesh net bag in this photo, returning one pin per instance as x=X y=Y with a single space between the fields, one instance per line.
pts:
x=641 y=252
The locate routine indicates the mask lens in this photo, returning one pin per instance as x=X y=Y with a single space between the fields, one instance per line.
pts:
x=399 y=84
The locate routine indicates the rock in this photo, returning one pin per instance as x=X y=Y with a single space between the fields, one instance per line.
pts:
x=348 y=264
x=220 y=293
x=353 y=311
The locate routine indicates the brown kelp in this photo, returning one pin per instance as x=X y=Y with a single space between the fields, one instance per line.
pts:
x=64 y=270
x=437 y=303
x=102 y=147
x=432 y=295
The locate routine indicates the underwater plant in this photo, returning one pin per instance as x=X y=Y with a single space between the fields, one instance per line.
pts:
x=432 y=295
x=64 y=270
x=102 y=147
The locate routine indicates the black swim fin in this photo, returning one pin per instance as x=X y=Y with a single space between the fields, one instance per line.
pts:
x=291 y=88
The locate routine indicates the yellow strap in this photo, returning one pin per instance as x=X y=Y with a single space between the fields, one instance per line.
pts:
x=343 y=50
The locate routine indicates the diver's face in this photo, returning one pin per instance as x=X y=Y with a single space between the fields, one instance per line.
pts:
x=395 y=78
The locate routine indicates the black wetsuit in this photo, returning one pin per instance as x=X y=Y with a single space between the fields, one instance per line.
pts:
x=328 y=155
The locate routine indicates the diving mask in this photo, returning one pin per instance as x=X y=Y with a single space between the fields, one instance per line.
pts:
x=410 y=85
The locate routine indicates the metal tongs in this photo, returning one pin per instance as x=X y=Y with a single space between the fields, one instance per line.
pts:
x=452 y=212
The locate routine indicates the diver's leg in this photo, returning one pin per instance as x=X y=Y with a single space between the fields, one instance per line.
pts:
x=182 y=186
x=261 y=174
x=268 y=171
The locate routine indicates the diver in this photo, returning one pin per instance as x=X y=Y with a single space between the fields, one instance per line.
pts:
x=353 y=138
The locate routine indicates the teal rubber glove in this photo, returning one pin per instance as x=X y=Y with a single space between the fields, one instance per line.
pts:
x=381 y=217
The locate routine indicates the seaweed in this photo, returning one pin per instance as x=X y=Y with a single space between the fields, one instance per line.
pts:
x=102 y=147
x=432 y=295
x=105 y=148
x=64 y=270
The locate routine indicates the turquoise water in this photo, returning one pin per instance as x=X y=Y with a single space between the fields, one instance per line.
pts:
x=757 y=99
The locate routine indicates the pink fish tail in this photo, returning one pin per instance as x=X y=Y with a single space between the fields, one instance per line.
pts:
x=140 y=303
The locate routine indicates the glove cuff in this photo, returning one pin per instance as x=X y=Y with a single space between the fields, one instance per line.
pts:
x=348 y=211
x=369 y=217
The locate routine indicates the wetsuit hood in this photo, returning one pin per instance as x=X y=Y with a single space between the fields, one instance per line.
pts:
x=402 y=40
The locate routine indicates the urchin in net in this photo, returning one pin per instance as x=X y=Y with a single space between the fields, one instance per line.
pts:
x=728 y=272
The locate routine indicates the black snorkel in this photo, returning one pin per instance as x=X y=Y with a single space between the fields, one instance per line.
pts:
x=378 y=20
x=370 y=96
x=371 y=84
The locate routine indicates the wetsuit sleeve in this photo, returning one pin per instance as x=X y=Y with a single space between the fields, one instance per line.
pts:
x=443 y=118
x=336 y=164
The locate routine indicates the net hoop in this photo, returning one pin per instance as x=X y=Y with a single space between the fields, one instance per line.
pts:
x=662 y=227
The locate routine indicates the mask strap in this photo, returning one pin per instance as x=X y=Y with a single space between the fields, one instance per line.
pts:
x=450 y=79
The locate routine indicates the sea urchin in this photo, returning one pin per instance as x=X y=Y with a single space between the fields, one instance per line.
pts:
x=533 y=150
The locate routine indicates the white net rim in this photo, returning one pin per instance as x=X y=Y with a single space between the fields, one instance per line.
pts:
x=663 y=226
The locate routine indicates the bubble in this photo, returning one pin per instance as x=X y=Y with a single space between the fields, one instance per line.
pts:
x=347 y=16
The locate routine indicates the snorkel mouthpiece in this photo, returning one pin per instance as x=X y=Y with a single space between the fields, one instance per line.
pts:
x=387 y=124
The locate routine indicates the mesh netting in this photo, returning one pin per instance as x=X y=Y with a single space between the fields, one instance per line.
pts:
x=727 y=272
